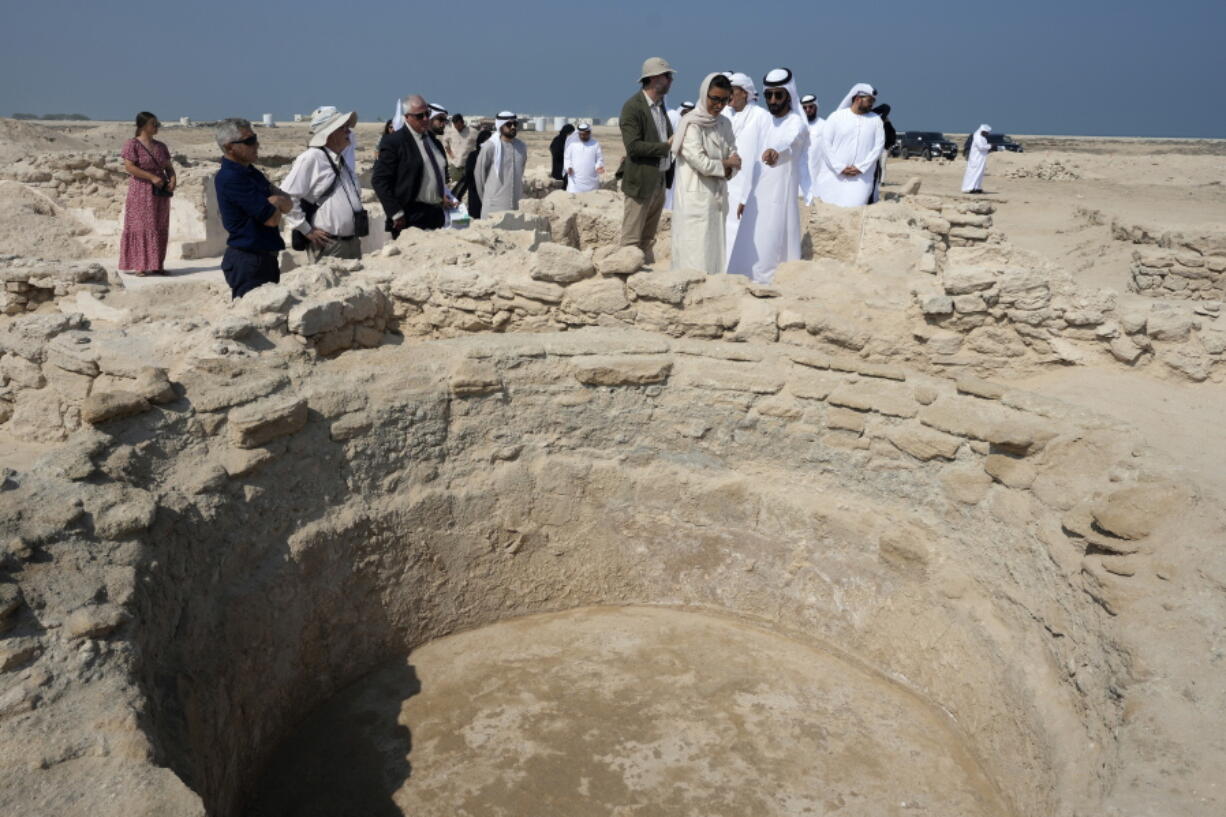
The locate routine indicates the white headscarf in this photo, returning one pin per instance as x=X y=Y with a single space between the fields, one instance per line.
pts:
x=740 y=80
x=699 y=117
x=502 y=118
x=988 y=128
x=398 y=116
x=856 y=90
x=783 y=78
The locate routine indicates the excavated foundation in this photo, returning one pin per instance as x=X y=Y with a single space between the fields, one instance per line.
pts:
x=425 y=506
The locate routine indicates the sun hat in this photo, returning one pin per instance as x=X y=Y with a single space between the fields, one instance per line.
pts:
x=654 y=66
x=327 y=119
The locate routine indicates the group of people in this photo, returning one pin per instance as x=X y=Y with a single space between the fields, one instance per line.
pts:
x=732 y=172
x=737 y=171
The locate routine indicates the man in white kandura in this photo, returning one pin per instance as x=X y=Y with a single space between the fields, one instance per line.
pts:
x=977 y=160
x=705 y=155
x=813 y=163
x=770 y=222
x=499 y=174
x=583 y=161
x=749 y=123
x=852 y=140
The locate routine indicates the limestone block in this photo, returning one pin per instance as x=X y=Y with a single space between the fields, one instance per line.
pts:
x=905 y=547
x=238 y=462
x=883 y=398
x=964 y=280
x=24 y=373
x=620 y=261
x=628 y=370
x=978 y=387
x=561 y=265
x=233 y=327
x=411 y=287
x=472 y=377
x=1189 y=361
x=845 y=419
x=937 y=225
x=966 y=485
x=970 y=304
x=967 y=219
x=990 y=422
x=111 y=405
x=599 y=296
x=541 y=291
x=730 y=377
x=844 y=363
x=668 y=286
x=922 y=443
x=258 y=423
x=459 y=282
x=1166 y=323
x=759 y=321
x=94 y=621
x=126 y=518
x=315 y=316
x=214 y=394
x=1010 y=471
x=969 y=233
x=911 y=187
x=937 y=305
x=1124 y=350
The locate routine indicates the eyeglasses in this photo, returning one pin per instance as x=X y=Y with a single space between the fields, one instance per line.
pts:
x=250 y=141
x=719 y=100
x=779 y=95
x=421 y=115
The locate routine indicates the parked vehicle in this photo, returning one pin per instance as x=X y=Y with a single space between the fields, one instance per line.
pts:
x=1000 y=141
x=927 y=143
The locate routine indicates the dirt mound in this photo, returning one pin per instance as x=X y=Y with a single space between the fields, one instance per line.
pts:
x=32 y=225
x=1052 y=170
x=18 y=139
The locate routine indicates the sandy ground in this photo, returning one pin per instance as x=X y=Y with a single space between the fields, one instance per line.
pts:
x=611 y=711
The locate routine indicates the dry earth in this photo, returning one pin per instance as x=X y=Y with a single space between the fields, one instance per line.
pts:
x=499 y=521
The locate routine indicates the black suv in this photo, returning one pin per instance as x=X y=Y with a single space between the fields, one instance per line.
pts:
x=1000 y=141
x=927 y=143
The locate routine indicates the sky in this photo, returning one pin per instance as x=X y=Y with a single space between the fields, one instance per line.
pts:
x=1089 y=67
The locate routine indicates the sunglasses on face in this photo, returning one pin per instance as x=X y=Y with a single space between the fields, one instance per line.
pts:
x=250 y=141
x=777 y=95
x=719 y=100
x=421 y=115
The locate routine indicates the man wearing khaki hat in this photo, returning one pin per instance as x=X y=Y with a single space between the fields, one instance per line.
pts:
x=648 y=168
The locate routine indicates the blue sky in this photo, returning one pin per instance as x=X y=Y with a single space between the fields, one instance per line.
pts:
x=1036 y=66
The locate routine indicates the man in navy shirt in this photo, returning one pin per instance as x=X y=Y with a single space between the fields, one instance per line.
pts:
x=250 y=208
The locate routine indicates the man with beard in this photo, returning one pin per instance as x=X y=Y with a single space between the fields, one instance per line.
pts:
x=749 y=123
x=813 y=159
x=648 y=170
x=584 y=161
x=770 y=223
x=500 y=167
x=852 y=141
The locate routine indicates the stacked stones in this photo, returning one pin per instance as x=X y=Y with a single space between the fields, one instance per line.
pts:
x=1172 y=274
x=90 y=180
x=29 y=283
x=951 y=224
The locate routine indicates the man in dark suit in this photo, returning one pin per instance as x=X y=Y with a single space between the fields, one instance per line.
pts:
x=648 y=170
x=409 y=176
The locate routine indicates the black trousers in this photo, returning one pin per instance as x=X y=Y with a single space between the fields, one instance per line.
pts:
x=245 y=270
x=422 y=216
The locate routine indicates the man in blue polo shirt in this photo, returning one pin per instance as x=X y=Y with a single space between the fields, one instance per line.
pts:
x=250 y=208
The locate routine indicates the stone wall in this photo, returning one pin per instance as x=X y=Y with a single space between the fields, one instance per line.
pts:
x=1184 y=275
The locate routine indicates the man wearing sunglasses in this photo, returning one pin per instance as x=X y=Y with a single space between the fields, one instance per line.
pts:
x=409 y=176
x=852 y=142
x=770 y=223
x=250 y=209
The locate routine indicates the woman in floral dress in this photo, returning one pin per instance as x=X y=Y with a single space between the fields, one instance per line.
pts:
x=146 y=217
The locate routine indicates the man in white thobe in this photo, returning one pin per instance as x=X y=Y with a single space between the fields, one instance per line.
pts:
x=852 y=140
x=749 y=124
x=977 y=161
x=770 y=222
x=583 y=161
x=813 y=159
x=499 y=174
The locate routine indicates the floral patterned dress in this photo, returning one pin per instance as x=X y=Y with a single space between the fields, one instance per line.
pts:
x=146 y=217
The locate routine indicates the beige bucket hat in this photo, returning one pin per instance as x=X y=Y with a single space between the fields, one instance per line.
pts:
x=654 y=66
x=327 y=119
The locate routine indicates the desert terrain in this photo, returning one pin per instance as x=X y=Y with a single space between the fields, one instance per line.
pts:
x=504 y=520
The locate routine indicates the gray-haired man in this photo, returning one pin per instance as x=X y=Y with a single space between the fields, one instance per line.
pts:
x=250 y=208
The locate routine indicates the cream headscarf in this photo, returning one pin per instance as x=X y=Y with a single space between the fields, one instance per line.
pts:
x=699 y=117
x=503 y=118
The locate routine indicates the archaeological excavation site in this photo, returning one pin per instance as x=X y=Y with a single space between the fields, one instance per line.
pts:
x=507 y=521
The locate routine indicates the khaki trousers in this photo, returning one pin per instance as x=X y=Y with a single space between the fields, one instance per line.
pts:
x=640 y=220
x=348 y=248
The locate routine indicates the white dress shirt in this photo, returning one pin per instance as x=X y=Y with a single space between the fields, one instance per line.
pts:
x=311 y=177
x=659 y=117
